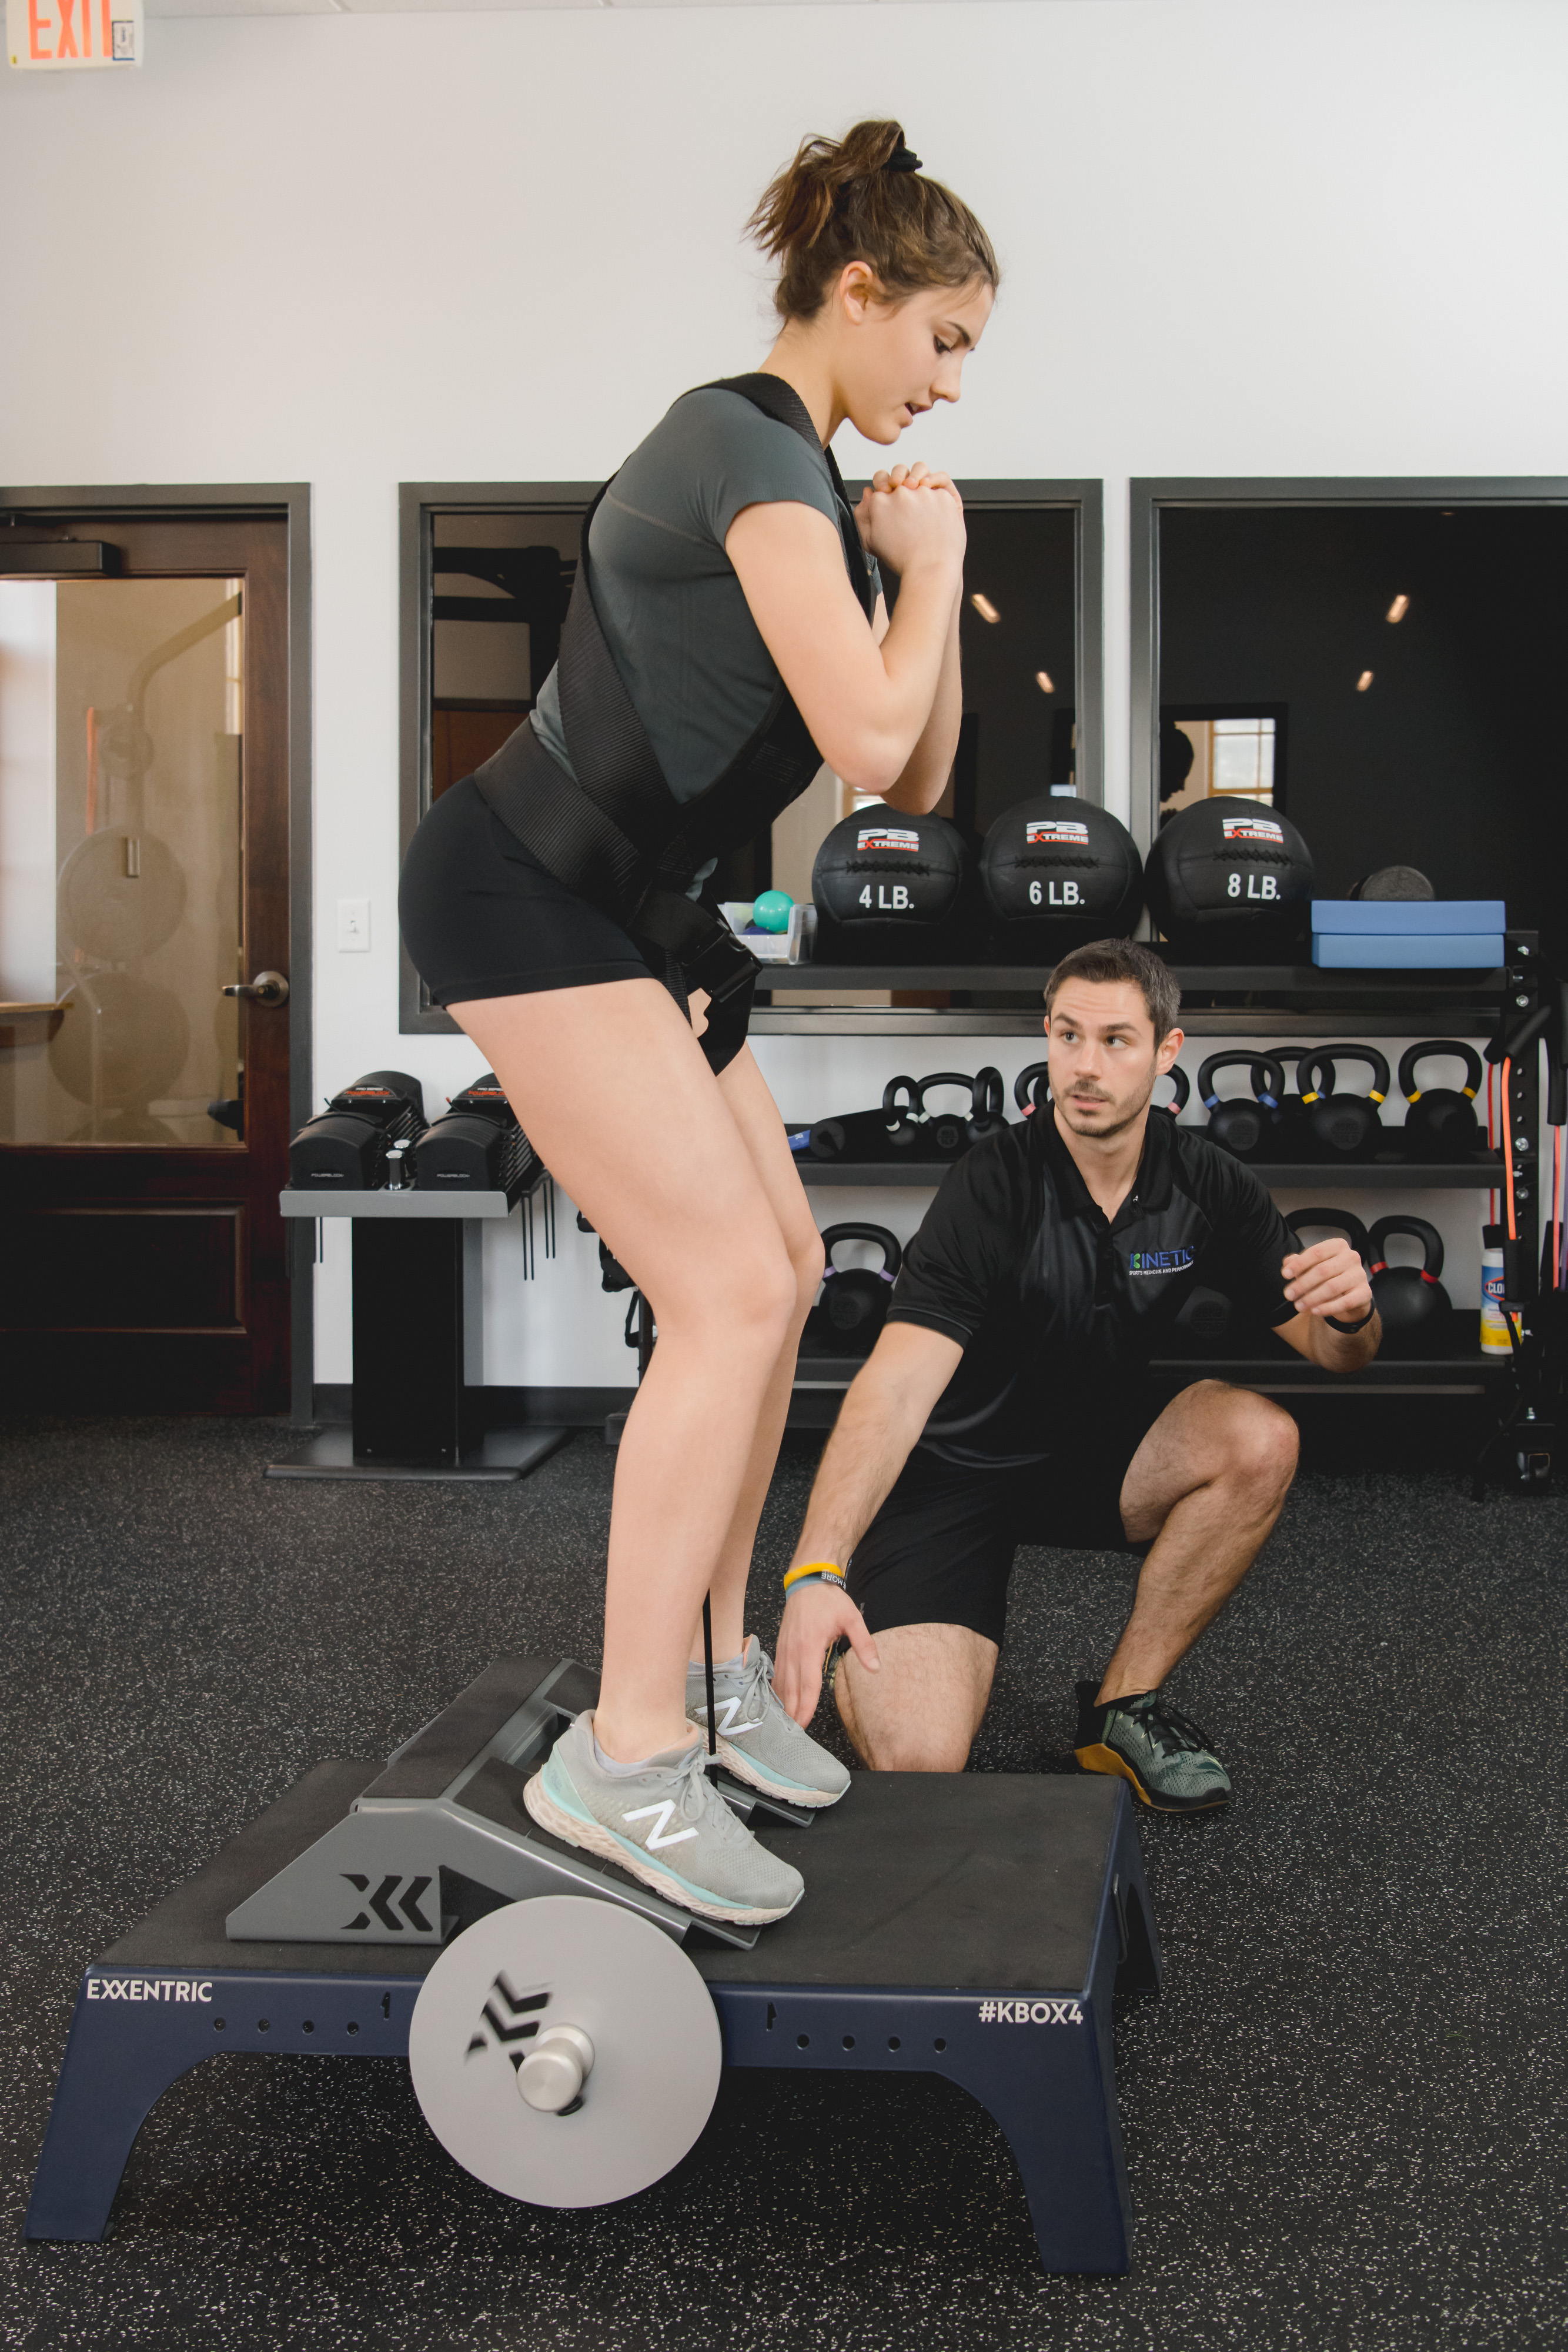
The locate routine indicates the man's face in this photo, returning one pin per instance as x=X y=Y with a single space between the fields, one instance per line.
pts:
x=1103 y=1059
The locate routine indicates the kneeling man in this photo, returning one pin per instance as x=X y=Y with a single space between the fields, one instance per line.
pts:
x=1005 y=1401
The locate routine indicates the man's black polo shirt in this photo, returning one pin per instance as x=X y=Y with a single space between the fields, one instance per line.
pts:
x=1059 y=1312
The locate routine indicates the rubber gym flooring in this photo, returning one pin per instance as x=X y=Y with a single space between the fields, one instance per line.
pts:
x=1345 y=2118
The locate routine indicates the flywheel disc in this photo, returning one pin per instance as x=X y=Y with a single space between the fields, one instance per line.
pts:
x=499 y=1992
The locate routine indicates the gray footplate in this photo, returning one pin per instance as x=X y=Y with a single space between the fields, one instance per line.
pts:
x=446 y=1818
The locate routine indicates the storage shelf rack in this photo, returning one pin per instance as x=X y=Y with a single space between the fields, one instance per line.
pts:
x=1242 y=998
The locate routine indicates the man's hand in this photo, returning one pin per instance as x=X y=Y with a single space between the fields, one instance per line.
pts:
x=1328 y=1279
x=815 y=1616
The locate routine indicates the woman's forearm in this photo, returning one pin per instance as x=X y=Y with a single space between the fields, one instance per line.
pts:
x=926 y=771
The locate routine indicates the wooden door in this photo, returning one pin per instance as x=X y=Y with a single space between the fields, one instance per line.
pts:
x=143 y=872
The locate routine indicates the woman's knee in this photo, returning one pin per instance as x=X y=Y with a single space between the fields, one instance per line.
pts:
x=806 y=1260
x=742 y=1293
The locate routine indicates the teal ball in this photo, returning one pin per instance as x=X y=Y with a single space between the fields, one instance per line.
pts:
x=771 y=912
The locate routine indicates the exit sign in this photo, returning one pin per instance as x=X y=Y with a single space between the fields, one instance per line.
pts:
x=73 y=34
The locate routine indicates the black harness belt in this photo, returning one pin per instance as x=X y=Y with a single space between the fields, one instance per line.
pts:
x=614 y=832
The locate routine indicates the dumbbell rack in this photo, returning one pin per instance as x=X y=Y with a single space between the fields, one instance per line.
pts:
x=417 y=1339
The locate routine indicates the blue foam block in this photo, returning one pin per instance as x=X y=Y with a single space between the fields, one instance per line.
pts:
x=1387 y=918
x=1438 y=951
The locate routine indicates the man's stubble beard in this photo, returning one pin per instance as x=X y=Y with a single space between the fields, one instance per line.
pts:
x=1109 y=1134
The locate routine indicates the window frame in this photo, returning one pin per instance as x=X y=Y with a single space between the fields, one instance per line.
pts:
x=419 y=502
x=1149 y=495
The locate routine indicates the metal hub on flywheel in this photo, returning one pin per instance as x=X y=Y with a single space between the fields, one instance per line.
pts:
x=565 y=2050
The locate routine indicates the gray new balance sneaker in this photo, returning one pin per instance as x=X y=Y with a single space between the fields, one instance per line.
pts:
x=667 y=1824
x=1169 y=1761
x=759 y=1741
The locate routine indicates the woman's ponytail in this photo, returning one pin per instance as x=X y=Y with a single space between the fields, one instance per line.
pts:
x=865 y=198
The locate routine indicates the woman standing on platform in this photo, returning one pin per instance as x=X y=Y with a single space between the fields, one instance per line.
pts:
x=729 y=635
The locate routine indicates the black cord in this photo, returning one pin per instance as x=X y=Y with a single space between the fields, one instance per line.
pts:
x=707 y=1670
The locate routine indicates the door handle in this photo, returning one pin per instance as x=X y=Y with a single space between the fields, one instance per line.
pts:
x=267 y=988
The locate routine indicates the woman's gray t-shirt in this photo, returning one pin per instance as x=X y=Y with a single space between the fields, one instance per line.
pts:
x=671 y=607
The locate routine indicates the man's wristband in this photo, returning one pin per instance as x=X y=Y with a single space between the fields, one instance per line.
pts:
x=815 y=1571
x=1350 y=1328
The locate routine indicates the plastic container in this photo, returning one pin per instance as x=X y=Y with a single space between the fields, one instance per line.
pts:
x=1494 y=1322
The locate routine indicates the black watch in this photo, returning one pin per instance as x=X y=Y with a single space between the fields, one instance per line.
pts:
x=1350 y=1329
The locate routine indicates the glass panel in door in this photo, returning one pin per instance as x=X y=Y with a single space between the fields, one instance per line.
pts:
x=120 y=884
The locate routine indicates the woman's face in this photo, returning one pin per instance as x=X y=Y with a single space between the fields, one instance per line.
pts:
x=898 y=359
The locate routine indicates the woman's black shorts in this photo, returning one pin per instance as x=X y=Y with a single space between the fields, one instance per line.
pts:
x=481 y=917
x=940 y=1550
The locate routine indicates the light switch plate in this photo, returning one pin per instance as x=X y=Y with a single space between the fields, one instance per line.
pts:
x=353 y=926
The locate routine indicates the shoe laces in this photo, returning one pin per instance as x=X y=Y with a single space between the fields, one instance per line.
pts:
x=752 y=1686
x=1171 y=1732
x=696 y=1799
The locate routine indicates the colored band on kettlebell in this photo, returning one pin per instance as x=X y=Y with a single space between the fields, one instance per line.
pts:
x=813 y=1572
x=1372 y=1094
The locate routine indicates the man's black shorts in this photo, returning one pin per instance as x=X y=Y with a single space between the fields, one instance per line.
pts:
x=940 y=1550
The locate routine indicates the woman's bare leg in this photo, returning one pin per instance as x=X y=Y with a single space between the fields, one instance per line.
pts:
x=611 y=1088
x=756 y=1115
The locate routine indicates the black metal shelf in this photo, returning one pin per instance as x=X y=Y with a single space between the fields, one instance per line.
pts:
x=1388 y=1172
x=1280 y=980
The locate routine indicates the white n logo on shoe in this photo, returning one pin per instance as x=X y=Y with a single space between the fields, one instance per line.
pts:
x=728 y=1712
x=657 y=1840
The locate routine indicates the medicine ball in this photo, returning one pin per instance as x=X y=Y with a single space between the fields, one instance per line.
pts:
x=1229 y=879
x=888 y=887
x=1060 y=873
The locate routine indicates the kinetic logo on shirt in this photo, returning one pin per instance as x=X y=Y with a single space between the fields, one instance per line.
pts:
x=1175 y=1261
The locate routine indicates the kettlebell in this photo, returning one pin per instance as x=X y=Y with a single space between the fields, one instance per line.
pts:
x=987 y=1106
x=1411 y=1300
x=1242 y=1127
x=1290 y=1139
x=1341 y=1127
x=853 y=1308
x=901 y=1111
x=1032 y=1087
x=1441 y=1122
x=945 y=1134
x=1343 y=1221
x=1182 y=1085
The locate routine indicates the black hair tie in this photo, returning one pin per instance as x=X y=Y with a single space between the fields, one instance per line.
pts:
x=903 y=159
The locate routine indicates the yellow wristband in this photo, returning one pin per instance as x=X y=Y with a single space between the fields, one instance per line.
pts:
x=827 y=1569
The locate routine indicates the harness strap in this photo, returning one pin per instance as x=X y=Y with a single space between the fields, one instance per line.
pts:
x=613 y=831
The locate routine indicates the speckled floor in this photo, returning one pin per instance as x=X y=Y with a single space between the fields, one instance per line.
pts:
x=1346 y=2119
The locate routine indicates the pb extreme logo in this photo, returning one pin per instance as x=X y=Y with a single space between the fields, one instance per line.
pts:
x=886 y=836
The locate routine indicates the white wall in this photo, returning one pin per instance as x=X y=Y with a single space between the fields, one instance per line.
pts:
x=1294 y=238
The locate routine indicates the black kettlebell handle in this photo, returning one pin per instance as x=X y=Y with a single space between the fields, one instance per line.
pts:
x=892 y=1257
x=1337 y=1220
x=1410 y=1061
x=1025 y=1083
x=1182 y=1085
x=909 y=1107
x=986 y=1099
x=1430 y=1239
x=942 y=1079
x=1310 y=1067
x=1261 y=1065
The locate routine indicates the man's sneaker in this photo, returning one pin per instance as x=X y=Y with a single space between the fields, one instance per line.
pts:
x=1169 y=1761
x=757 y=1739
x=667 y=1824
